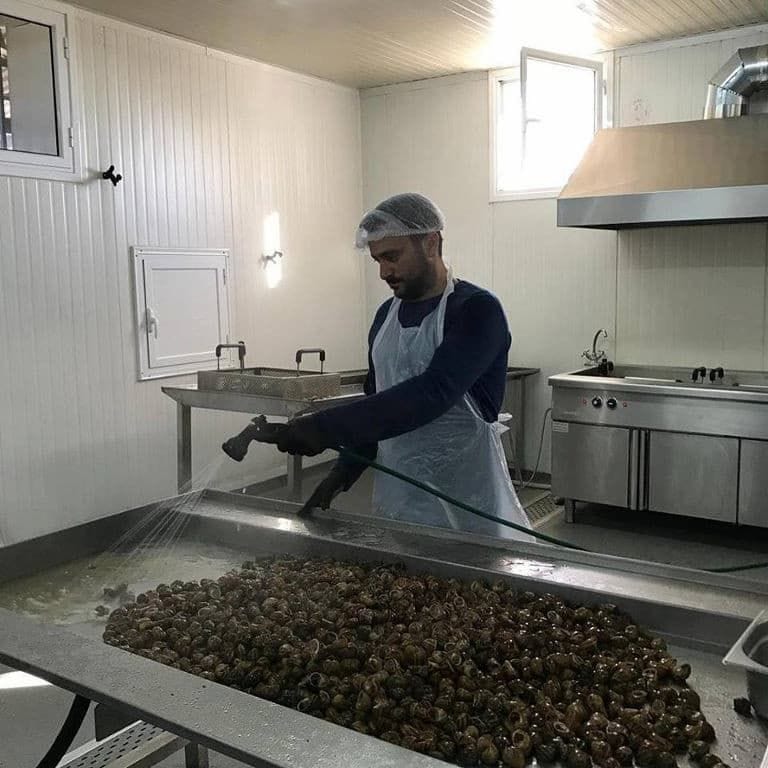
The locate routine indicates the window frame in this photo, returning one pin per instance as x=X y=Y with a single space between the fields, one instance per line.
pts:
x=498 y=77
x=65 y=166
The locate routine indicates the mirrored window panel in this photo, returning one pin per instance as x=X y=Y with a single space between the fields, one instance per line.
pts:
x=28 y=118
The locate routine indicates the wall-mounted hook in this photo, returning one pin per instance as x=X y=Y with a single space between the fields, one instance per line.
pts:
x=272 y=257
x=699 y=373
x=716 y=373
x=110 y=174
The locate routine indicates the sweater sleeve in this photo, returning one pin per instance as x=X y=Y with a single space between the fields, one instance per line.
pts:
x=471 y=344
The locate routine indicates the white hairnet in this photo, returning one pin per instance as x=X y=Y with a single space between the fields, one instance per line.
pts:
x=400 y=215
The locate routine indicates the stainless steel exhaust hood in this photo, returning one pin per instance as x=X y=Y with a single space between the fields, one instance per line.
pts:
x=704 y=171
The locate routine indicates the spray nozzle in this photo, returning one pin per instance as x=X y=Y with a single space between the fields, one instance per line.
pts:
x=259 y=430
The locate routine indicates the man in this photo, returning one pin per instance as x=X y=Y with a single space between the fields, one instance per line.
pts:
x=437 y=373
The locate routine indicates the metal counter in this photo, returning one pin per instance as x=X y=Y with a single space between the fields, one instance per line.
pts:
x=700 y=614
x=736 y=386
x=188 y=398
x=652 y=439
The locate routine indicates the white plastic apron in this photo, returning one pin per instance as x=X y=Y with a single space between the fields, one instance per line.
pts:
x=458 y=453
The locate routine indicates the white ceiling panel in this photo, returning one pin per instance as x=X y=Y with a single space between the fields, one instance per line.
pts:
x=365 y=43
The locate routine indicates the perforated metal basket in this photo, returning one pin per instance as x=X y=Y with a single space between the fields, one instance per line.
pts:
x=272 y=382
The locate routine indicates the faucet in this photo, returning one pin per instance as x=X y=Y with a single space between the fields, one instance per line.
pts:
x=700 y=372
x=596 y=354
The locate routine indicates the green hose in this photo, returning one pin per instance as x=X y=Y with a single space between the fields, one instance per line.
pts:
x=734 y=568
x=536 y=534
x=456 y=502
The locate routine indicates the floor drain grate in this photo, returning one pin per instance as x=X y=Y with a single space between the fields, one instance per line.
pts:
x=543 y=511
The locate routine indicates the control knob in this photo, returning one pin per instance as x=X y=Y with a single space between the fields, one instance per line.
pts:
x=611 y=403
x=597 y=402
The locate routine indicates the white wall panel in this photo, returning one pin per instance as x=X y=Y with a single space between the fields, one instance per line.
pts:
x=693 y=296
x=670 y=84
x=307 y=171
x=80 y=437
x=431 y=138
x=377 y=147
x=558 y=287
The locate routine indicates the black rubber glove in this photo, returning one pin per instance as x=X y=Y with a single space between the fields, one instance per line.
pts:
x=302 y=437
x=338 y=480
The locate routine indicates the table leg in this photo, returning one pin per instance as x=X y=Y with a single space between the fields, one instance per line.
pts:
x=515 y=404
x=570 y=511
x=520 y=424
x=196 y=756
x=294 y=477
x=514 y=454
x=183 y=447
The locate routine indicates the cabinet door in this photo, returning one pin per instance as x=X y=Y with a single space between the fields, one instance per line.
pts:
x=693 y=475
x=753 y=487
x=590 y=463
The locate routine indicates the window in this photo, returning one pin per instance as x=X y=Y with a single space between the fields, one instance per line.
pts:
x=544 y=113
x=182 y=309
x=36 y=137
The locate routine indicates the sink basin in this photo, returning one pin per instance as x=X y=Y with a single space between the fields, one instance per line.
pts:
x=643 y=374
x=649 y=380
x=748 y=381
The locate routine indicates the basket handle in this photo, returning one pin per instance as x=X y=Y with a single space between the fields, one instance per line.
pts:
x=313 y=351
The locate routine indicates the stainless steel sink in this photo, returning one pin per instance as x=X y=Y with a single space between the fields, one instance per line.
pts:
x=754 y=381
x=651 y=380
x=643 y=374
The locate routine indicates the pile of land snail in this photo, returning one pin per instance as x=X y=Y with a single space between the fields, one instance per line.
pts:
x=471 y=673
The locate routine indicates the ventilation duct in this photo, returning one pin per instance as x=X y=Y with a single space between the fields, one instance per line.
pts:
x=742 y=79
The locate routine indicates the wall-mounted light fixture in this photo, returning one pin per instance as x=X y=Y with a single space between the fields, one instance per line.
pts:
x=272 y=258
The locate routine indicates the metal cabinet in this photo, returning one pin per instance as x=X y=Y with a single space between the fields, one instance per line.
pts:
x=590 y=463
x=693 y=475
x=753 y=483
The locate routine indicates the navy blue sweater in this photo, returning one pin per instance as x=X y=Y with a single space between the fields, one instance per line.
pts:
x=471 y=359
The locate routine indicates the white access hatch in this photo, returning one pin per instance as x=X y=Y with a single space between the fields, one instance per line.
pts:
x=182 y=309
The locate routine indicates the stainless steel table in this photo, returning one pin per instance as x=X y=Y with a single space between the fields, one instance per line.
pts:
x=699 y=614
x=188 y=398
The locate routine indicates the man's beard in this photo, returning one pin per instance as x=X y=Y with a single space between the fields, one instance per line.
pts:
x=414 y=288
